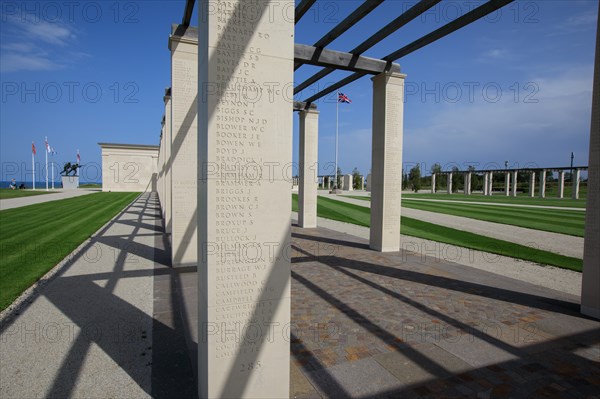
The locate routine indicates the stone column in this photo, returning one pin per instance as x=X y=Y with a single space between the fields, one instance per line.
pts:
x=168 y=165
x=532 y=185
x=245 y=63
x=561 y=184
x=468 y=183
x=183 y=44
x=362 y=183
x=514 y=183
x=433 y=183
x=590 y=294
x=507 y=184
x=449 y=183
x=386 y=187
x=369 y=182
x=491 y=183
x=348 y=183
x=307 y=191
x=486 y=186
x=576 y=179
x=543 y=184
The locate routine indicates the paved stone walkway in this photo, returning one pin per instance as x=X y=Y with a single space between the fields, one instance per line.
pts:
x=10 y=203
x=554 y=242
x=364 y=324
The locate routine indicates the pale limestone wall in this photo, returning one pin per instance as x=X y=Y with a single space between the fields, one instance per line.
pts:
x=129 y=167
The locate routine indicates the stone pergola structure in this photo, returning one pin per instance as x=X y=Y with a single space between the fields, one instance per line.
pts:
x=224 y=183
x=510 y=180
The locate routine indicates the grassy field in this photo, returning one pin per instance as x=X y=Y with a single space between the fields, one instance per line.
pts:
x=6 y=193
x=520 y=200
x=361 y=216
x=554 y=220
x=34 y=238
x=91 y=185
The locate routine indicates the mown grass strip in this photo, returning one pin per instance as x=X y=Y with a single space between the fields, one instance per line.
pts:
x=7 y=193
x=35 y=238
x=359 y=215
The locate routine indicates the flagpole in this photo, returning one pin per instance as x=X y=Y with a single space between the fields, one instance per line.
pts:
x=33 y=167
x=337 y=117
x=52 y=170
x=46 y=163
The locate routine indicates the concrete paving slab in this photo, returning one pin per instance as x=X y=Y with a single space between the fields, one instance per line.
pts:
x=11 y=203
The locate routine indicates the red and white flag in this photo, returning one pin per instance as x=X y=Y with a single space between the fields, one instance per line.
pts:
x=33 y=148
x=78 y=157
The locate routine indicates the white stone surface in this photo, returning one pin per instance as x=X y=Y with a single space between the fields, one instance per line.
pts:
x=388 y=117
x=543 y=184
x=244 y=148
x=309 y=169
x=69 y=182
x=507 y=184
x=515 y=178
x=532 y=185
x=184 y=149
x=449 y=183
x=561 y=184
x=129 y=167
x=348 y=186
x=576 y=181
x=433 y=183
x=468 y=183
x=369 y=183
x=168 y=167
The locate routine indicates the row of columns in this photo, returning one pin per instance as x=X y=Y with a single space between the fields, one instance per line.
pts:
x=511 y=190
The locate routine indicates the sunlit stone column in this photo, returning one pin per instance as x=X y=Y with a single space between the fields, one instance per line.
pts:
x=468 y=183
x=307 y=190
x=184 y=149
x=561 y=184
x=532 y=185
x=433 y=183
x=369 y=182
x=168 y=164
x=491 y=184
x=576 y=181
x=507 y=184
x=485 y=183
x=514 y=183
x=386 y=186
x=245 y=114
x=590 y=294
x=449 y=182
x=543 y=183
x=362 y=183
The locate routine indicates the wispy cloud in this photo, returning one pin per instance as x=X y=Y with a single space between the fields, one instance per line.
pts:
x=35 y=45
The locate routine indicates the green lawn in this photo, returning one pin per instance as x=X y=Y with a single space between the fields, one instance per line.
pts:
x=520 y=200
x=6 y=193
x=91 y=185
x=34 y=238
x=558 y=221
x=350 y=213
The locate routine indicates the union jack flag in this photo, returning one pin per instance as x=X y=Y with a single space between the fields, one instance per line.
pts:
x=342 y=98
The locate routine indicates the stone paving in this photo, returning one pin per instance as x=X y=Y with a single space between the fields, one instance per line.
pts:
x=388 y=325
x=53 y=195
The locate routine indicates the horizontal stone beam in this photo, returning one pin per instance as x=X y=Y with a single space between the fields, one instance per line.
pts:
x=301 y=106
x=323 y=57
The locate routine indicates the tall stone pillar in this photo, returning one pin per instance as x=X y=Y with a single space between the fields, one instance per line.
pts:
x=514 y=183
x=386 y=186
x=561 y=184
x=361 y=183
x=507 y=184
x=486 y=184
x=369 y=182
x=449 y=182
x=433 y=183
x=348 y=182
x=576 y=181
x=543 y=184
x=590 y=294
x=245 y=66
x=532 y=185
x=183 y=44
x=168 y=164
x=468 y=183
x=307 y=190
x=491 y=184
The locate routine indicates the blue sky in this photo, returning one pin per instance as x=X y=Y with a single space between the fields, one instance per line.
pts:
x=513 y=87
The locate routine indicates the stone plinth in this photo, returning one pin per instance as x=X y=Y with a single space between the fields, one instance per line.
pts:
x=386 y=187
x=70 y=182
x=245 y=70
x=307 y=190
